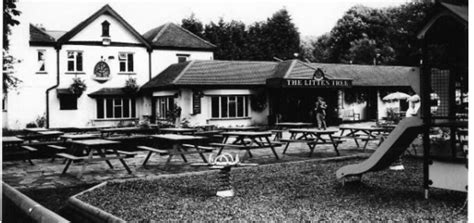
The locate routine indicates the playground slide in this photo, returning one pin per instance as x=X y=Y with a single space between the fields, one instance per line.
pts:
x=389 y=151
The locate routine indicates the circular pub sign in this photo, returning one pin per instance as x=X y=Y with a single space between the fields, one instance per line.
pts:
x=318 y=74
x=102 y=71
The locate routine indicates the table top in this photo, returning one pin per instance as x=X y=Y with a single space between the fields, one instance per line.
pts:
x=314 y=130
x=178 y=137
x=363 y=128
x=294 y=124
x=178 y=130
x=124 y=129
x=11 y=139
x=248 y=133
x=138 y=136
x=50 y=133
x=95 y=142
x=241 y=128
x=36 y=129
x=79 y=136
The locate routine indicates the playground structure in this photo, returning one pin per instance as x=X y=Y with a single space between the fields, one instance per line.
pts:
x=444 y=107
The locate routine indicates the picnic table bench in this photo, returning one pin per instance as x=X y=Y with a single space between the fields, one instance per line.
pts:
x=312 y=137
x=13 y=146
x=363 y=133
x=247 y=141
x=181 y=145
x=94 y=147
x=280 y=128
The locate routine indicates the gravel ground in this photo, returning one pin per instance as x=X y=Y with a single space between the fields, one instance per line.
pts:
x=283 y=192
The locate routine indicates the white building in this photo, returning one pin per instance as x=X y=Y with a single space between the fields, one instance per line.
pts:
x=104 y=51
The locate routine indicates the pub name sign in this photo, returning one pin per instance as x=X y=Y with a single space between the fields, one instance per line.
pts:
x=313 y=83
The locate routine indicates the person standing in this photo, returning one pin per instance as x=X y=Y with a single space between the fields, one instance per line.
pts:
x=320 y=110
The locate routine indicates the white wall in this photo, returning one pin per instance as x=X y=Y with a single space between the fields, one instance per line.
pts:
x=184 y=100
x=161 y=59
x=117 y=32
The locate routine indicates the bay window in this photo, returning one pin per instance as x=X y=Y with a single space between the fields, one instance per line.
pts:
x=109 y=108
x=230 y=106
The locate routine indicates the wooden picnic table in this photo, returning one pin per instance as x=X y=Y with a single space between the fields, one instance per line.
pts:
x=12 y=145
x=70 y=137
x=284 y=125
x=178 y=130
x=35 y=130
x=247 y=140
x=312 y=137
x=92 y=147
x=126 y=131
x=241 y=128
x=181 y=145
x=42 y=136
x=364 y=133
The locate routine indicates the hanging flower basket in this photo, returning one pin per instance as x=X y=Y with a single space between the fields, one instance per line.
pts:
x=78 y=86
x=258 y=101
x=131 y=86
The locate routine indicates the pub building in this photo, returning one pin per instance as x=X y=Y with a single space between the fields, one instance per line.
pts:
x=241 y=93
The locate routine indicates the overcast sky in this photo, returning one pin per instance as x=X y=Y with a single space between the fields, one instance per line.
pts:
x=312 y=17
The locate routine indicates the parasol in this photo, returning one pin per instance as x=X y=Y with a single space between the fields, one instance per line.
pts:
x=396 y=96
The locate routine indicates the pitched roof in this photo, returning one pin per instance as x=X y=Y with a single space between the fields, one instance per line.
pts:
x=256 y=73
x=38 y=35
x=56 y=34
x=174 y=36
x=459 y=12
x=370 y=75
x=104 y=10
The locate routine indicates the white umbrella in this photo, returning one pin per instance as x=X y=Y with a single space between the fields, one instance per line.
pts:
x=414 y=98
x=396 y=96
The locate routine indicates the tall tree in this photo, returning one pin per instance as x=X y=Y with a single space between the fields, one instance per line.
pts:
x=280 y=37
x=193 y=25
x=9 y=13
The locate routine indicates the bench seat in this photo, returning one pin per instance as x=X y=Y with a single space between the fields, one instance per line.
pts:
x=155 y=150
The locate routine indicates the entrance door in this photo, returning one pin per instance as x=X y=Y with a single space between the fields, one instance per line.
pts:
x=371 y=111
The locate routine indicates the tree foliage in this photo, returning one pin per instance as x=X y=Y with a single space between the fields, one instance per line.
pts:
x=367 y=36
x=9 y=13
x=275 y=37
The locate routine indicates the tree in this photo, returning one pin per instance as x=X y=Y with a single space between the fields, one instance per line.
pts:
x=280 y=37
x=193 y=25
x=9 y=12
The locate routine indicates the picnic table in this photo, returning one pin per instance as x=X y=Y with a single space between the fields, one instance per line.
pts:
x=284 y=125
x=181 y=145
x=42 y=136
x=35 y=130
x=178 y=130
x=126 y=131
x=241 y=128
x=364 y=133
x=248 y=140
x=71 y=137
x=12 y=145
x=94 y=147
x=312 y=137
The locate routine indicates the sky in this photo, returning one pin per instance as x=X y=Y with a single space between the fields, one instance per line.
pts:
x=311 y=17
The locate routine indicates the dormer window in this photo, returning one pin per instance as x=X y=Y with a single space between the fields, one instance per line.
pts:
x=105 y=29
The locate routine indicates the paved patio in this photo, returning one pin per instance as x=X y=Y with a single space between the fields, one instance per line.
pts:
x=47 y=174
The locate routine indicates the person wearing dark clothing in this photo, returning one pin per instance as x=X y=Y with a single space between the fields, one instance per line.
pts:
x=320 y=111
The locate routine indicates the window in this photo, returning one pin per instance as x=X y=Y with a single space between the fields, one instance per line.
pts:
x=126 y=62
x=68 y=102
x=41 y=61
x=105 y=29
x=229 y=106
x=4 y=102
x=182 y=57
x=74 y=61
x=115 y=108
x=163 y=106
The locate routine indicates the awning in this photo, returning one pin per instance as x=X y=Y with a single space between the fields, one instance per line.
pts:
x=109 y=92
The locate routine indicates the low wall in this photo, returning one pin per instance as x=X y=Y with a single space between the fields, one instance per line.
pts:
x=17 y=207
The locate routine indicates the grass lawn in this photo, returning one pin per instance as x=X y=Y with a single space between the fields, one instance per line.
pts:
x=283 y=192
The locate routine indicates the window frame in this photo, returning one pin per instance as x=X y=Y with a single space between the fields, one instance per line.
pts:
x=105 y=28
x=230 y=100
x=127 y=63
x=185 y=56
x=132 y=114
x=161 y=113
x=74 y=60
x=38 y=60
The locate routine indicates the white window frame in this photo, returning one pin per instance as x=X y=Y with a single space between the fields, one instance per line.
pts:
x=74 y=60
x=231 y=99
x=41 y=62
x=114 y=105
x=125 y=60
x=162 y=106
